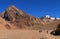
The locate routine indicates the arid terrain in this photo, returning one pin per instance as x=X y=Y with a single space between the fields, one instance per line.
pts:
x=27 y=34
x=17 y=24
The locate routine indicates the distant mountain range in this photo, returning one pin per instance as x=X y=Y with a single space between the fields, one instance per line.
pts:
x=13 y=18
x=50 y=17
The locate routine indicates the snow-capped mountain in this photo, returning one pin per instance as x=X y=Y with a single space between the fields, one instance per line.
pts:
x=50 y=17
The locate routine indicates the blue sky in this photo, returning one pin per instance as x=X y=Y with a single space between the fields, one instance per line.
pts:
x=35 y=8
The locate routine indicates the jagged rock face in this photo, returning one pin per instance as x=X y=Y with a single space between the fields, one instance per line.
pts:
x=12 y=13
x=7 y=16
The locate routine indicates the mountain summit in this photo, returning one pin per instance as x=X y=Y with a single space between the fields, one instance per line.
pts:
x=19 y=18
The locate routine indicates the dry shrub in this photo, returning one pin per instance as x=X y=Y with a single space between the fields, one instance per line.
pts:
x=40 y=31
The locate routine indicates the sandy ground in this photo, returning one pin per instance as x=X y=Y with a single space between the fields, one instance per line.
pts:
x=26 y=34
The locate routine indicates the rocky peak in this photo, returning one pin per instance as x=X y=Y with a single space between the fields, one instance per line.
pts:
x=12 y=7
x=12 y=13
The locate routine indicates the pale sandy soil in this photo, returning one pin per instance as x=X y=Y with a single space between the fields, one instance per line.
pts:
x=26 y=34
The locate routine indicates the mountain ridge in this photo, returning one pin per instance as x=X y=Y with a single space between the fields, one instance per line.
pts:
x=18 y=19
